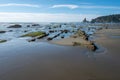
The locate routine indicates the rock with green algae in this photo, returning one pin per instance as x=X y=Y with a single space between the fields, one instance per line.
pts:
x=2 y=41
x=34 y=34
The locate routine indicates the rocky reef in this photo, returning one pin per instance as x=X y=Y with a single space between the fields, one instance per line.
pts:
x=89 y=44
x=35 y=35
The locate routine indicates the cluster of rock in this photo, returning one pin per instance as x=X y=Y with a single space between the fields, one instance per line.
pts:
x=51 y=38
x=37 y=37
x=90 y=44
x=35 y=25
x=61 y=31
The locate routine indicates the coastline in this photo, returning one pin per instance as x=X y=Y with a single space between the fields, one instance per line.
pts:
x=23 y=60
x=48 y=61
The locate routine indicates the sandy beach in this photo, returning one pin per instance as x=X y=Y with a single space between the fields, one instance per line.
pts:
x=21 y=60
x=110 y=39
x=59 y=39
x=69 y=41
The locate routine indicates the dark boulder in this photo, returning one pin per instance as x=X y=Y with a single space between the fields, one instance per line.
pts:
x=62 y=36
x=2 y=31
x=15 y=26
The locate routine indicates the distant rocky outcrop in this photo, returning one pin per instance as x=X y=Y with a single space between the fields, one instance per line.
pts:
x=107 y=19
x=85 y=20
x=15 y=26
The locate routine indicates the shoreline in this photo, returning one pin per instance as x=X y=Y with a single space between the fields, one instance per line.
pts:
x=98 y=40
x=48 y=61
x=80 y=38
x=44 y=60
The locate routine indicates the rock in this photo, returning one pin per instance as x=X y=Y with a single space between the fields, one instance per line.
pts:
x=2 y=31
x=62 y=36
x=31 y=40
x=34 y=34
x=2 y=41
x=81 y=33
x=49 y=27
x=41 y=36
x=85 y=20
x=49 y=39
x=55 y=31
x=10 y=31
x=35 y=25
x=92 y=47
x=15 y=26
x=74 y=36
x=76 y=44
x=51 y=31
x=28 y=25
x=64 y=31
x=85 y=37
x=25 y=31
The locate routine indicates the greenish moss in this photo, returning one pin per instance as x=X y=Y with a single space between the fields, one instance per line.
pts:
x=2 y=41
x=34 y=34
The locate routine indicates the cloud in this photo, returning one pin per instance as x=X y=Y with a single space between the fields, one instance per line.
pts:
x=84 y=6
x=19 y=5
x=43 y=17
x=70 y=6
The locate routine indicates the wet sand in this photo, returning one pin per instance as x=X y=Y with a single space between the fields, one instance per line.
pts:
x=110 y=39
x=69 y=41
x=21 y=60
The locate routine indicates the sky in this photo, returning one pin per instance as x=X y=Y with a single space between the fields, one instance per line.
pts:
x=56 y=10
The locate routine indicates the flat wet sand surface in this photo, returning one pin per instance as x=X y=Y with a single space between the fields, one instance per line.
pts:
x=21 y=60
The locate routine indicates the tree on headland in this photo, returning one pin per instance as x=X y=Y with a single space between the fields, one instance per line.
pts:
x=107 y=19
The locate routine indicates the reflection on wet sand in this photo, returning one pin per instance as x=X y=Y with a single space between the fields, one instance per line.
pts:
x=44 y=61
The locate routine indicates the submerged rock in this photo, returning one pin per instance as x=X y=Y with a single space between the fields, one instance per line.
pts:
x=10 y=31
